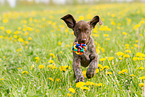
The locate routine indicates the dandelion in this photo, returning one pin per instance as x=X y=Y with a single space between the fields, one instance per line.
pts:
x=97 y=70
x=25 y=72
x=1 y=78
x=32 y=66
x=41 y=66
x=140 y=68
x=89 y=83
x=99 y=84
x=68 y=94
x=141 y=84
x=2 y=27
x=71 y=90
x=29 y=38
x=59 y=43
x=50 y=78
x=58 y=80
x=135 y=58
x=127 y=51
x=80 y=84
x=85 y=88
x=119 y=53
x=132 y=75
x=37 y=59
x=123 y=71
x=5 y=20
x=109 y=73
x=120 y=58
x=19 y=68
x=110 y=58
x=102 y=59
x=21 y=40
x=100 y=66
x=124 y=33
x=126 y=56
x=51 y=66
x=51 y=61
x=106 y=35
x=51 y=54
x=81 y=18
x=62 y=68
x=142 y=78
x=8 y=31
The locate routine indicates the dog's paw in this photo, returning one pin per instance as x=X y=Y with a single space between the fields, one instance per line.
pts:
x=80 y=79
x=90 y=75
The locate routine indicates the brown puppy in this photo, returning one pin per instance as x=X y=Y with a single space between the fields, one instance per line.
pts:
x=82 y=31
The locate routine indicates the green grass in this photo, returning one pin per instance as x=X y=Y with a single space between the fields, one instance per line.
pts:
x=42 y=23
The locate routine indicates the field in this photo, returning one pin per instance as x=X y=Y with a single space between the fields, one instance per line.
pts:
x=36 y=55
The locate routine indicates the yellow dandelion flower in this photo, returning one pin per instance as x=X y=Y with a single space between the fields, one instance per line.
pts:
x=25 y=72
x=37 y=59
x=41 y=66
x=19 y=68
x=132 y=75
x=85 y=88
x=1 y=78
x=58 y=80
x=102 y=59
x=51 y=54
x=21 y=40
x=84 y=73
x=126 y=56
x=109 y=72
x=99 y=84
x=120 y=58
x=2 y=27
x=80 y=84
x=119 y=53
x=100 y=66
x=68 y=94
x=62 y=68
x=89 y=83
x=59 y=43
x=51 y=61
x=141 y=68
x=124 y=33
x=143 y=78
x=135 y=58
x=106 y=35
x=32 y=66
x=97 y=70
x=29 y=38
x=110 y=58
x=72 y=90
x=5 y=20
x=50 y=78
x=1 y=36
x=8 y=31
x=141 y=84
x=127 y=51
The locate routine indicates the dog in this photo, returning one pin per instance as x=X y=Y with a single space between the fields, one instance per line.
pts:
x=82 y=31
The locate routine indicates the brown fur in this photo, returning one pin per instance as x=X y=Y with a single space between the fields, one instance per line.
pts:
x=82 y=31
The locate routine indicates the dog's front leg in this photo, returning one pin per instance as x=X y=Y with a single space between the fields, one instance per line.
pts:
x=77 y=69
x=92 y=67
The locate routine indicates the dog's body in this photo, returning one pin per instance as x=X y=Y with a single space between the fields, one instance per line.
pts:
x=82 y=31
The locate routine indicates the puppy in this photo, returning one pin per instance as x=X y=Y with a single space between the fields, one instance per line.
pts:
x=82 y=31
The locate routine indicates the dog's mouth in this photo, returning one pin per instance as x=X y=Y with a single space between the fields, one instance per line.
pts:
x=79 y=49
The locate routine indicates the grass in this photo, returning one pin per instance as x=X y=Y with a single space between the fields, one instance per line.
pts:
x=36 y=56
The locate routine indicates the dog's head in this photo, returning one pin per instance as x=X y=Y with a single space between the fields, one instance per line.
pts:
x=82 y=29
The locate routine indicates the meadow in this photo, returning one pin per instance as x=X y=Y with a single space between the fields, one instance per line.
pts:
x=36 y=51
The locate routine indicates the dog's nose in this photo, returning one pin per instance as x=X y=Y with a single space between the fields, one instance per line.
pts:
x=83 y=40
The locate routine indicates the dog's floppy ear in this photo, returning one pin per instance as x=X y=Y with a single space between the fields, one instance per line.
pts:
x=69 y=20
x=95 y=20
